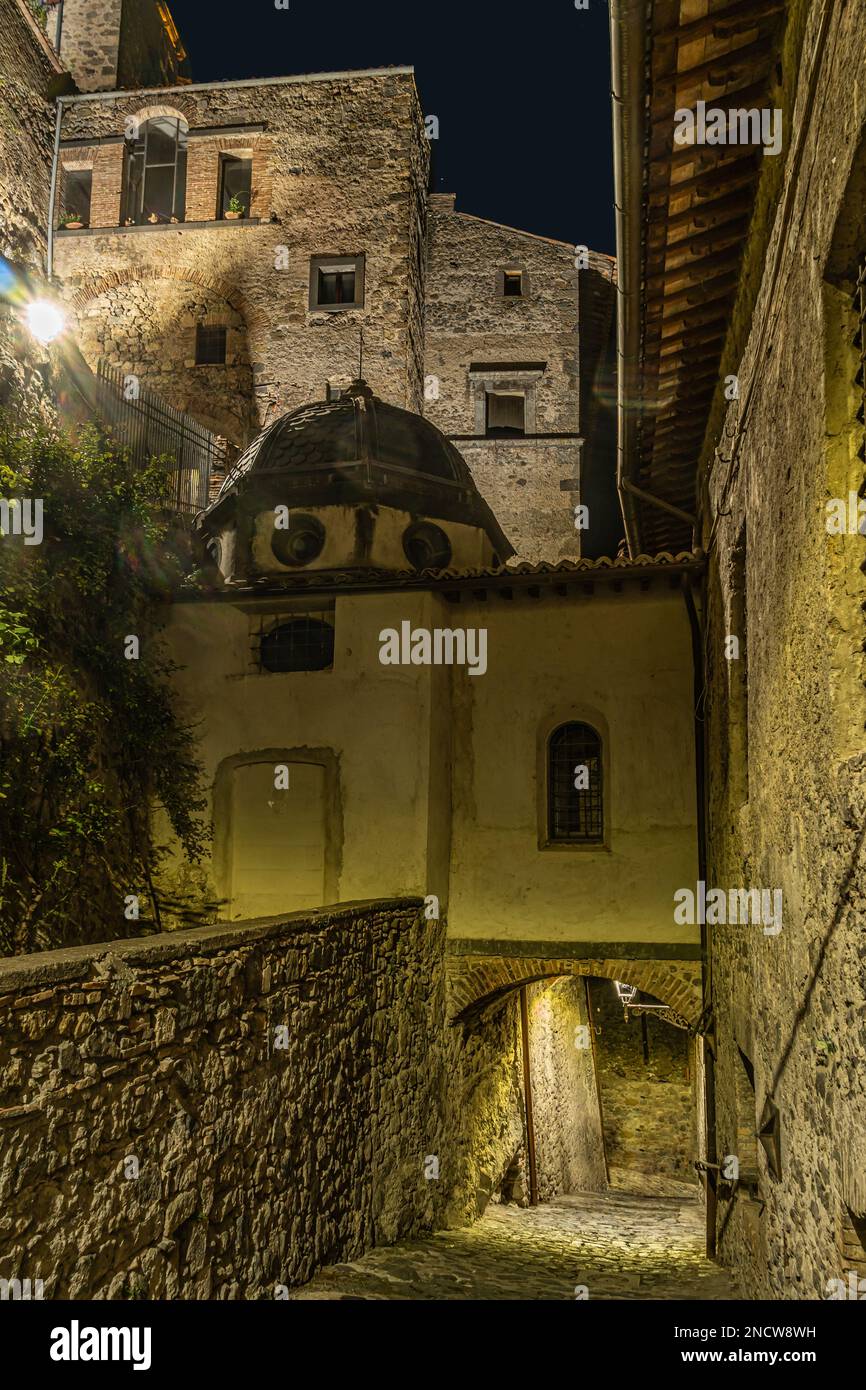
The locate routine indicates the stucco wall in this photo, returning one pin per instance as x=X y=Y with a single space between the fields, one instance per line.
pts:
x=428 y=756
x=793 y=1004
x=623 y=665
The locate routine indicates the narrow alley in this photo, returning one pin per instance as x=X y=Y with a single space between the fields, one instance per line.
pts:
x=614 y=1246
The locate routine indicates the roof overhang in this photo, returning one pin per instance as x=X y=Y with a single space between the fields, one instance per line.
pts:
x=682 y=215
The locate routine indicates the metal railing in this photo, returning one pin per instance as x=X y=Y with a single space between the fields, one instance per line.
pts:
x=147 y=427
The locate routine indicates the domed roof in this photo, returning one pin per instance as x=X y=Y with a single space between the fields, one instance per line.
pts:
x=356 y=449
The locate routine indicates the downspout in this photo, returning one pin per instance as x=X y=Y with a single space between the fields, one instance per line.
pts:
x=527 y=1100
x=52 y=195
x=699 y=696
x=58 y=32
x=627 y=45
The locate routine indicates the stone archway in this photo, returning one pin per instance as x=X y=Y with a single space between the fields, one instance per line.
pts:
x=145 y=323
x=474 y=981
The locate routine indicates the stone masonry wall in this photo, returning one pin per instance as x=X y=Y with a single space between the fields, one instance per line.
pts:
x=787 y=754
x=567 y=1122
x=647 y=1105
x=107 y=44
x=27 y=69
x=215 y=1112
x=260 y=1154
x=339 y=168
x=468 y=321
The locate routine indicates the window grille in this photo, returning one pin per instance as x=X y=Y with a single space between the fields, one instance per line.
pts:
x=210 y=344
x=303 y=642
x=575 y=797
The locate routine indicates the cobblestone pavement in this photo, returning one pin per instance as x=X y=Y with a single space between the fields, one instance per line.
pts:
x=619 y=1245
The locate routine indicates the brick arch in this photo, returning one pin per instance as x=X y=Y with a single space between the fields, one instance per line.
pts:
x=150 y=113
x=92 y=289
x=476 y=981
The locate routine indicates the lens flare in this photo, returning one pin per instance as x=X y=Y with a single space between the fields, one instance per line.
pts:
x=44 y=320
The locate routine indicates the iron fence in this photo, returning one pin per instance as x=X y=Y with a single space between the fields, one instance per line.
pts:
x=147 y=427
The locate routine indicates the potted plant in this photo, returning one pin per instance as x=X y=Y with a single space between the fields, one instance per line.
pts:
x=235 y=208
x=69 y=221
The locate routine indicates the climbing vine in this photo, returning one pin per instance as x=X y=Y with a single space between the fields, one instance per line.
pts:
x=89 y=741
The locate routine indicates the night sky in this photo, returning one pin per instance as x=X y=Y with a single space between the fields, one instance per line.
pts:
x=522 y=93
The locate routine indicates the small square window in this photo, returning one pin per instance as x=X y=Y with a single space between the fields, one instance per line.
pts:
x=77 y=187
x=210 y=344
x=236 y=182
x=336 y=283
x=512 y=283
x=506 y=413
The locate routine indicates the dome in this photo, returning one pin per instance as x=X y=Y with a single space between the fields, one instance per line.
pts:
x=357 y=449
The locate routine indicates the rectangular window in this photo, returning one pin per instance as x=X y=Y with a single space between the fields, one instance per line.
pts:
x=236 y=182
x=512 y=283
x=506 y=413
x=210 y=344
x=155 y=181
x=77 y=188
x=337 y=283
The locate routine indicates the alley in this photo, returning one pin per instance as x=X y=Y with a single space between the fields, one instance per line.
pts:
x=617 y=1245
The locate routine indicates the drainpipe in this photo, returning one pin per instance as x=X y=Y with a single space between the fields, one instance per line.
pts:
x=627 y=45
x=527 y=1100
x=699 y=697
x=52 y=195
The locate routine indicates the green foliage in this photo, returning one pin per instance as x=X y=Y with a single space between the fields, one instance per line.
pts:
x=89 y=741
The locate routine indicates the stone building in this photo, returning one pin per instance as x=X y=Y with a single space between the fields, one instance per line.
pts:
x=742 y=339
x=463 y=772
x=331 y=256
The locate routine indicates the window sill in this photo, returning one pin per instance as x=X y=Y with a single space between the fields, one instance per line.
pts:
x=159 y=227
x=335 y=308
x=572 y=846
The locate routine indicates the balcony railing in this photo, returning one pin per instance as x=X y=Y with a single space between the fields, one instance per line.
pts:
x=147 y=427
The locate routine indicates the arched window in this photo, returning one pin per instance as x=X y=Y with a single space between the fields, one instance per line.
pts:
x=155 y=184
x=575 y=787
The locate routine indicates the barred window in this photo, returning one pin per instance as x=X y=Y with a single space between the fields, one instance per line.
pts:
x=575 y=813
x=301 y=644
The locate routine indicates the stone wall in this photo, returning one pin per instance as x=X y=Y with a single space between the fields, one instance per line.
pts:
x=117 y=43
x=567 y=1122
x=478 y=337
x=150 y=327
x=339 y=168
x=27 y=70
x=647 y=1102
x=787 y=756
x=218 y=1111
x=214 y=1112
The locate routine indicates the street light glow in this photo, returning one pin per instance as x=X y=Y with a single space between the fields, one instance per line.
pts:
x=44 y=320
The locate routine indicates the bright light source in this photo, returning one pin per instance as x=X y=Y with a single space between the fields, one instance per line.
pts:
x=44 y=320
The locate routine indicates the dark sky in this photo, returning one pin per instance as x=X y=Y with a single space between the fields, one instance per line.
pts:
x=522 y=92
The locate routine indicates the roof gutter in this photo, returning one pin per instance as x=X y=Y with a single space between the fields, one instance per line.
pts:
x=628 y=68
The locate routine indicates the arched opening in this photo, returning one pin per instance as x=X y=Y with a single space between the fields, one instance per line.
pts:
x=606 y=1083
x=154 y=328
